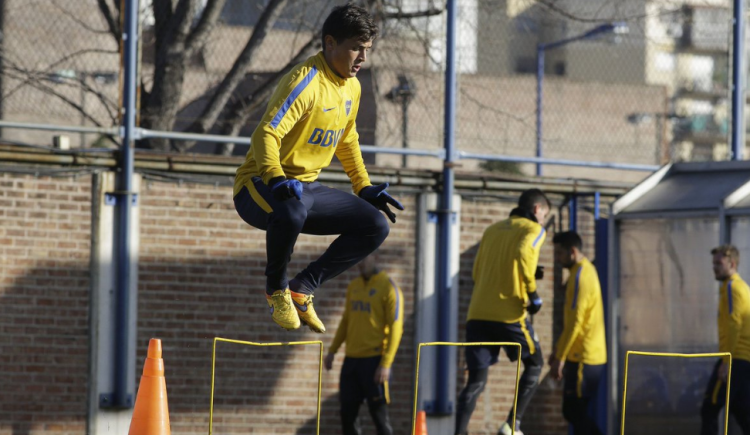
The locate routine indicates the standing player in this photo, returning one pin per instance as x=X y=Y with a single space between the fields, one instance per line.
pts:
x=734 y=337
x=581 y=351
x=372 y=326
x=505 y=273
x=310 y=117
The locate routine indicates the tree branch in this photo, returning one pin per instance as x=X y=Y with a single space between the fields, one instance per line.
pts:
x=401 y=15
x=181 y=20
x=107 y=103
x=162 y=17
x=207 y=22
x=242 y=109
x=44 y=88
x=36 y=80
x=114 y=26
x=77 y=20
x=229 y=84
x=49 y=68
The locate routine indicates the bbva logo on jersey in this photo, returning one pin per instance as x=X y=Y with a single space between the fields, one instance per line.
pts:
x=325 y=138
x=361 y=306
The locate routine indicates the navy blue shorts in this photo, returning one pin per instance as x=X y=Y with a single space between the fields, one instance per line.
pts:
x=581 y=380
x=357 y=381
x=481 y=357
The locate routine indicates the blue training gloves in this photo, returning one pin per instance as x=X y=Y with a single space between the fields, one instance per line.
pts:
x=377 y=196
x=283 y=189
x=535 y=303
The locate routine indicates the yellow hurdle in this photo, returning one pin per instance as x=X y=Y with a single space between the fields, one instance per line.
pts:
x=250 y=343
x=674 y=355
x=443 y=343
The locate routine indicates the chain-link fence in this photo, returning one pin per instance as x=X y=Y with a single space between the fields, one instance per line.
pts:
x=631 y=81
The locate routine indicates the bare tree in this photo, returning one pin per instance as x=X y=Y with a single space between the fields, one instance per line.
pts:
x=176 y=41
x=230 y=82
x=176 y=35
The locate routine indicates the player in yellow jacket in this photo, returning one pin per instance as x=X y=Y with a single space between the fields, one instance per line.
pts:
x=580 y=354
x=310 y=118
x=734 y=337
x=505 y=274
x=372 y=326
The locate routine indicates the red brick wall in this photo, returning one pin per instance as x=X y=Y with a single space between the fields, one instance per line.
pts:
x=44 y=297
x=201 y=276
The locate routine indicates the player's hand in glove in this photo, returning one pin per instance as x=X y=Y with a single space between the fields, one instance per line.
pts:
x=283 y=188
x=377 y=196
x=535 y=303
x=539 y=274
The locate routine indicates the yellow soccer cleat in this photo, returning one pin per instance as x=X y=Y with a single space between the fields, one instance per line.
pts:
x=280 y=304
x=306 y=311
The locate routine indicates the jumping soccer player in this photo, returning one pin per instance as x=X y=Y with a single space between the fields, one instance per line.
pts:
x=372 y=326
x=310 y=117
x=734 y=337
x=581 y=351
x=505 y=273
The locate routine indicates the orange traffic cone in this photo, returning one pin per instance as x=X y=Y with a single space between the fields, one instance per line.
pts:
x=421 y=426
x=151 y=414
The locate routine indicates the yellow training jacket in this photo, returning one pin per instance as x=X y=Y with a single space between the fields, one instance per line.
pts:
x=373 y=320
x=583 y=338
x=504 y=270
x=734 y=318
x=310 y=117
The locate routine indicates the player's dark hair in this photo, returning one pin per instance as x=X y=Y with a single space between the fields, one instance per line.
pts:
x=530 y=198
x=568 y=240
x=349 y=21
x=729 y=251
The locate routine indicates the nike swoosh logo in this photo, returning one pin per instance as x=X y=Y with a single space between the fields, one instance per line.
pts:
x=328 y=110
x=302 y=308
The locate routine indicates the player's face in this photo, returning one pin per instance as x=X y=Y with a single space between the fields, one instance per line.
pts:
x=346 y=58
x=540 y=213
x=367 y=266
x=723 y=267
x=564 y=257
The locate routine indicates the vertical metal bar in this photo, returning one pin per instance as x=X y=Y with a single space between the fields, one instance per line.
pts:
x=611 y=313
x=573 y=213
x=82 y=84
x=597 y=205
x=539 y=82
x=601 y=251
x=724 y=225
x=404 y=127
x=2 y=47
x=738 y=81
x=445 y=279
x=660 y=148
x=124 y=208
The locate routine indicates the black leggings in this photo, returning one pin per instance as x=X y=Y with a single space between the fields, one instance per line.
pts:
x=322 y=211
x=357 y=385
x=527 y=385
x=715 y=398
x=378 y=412
x=576 y=412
